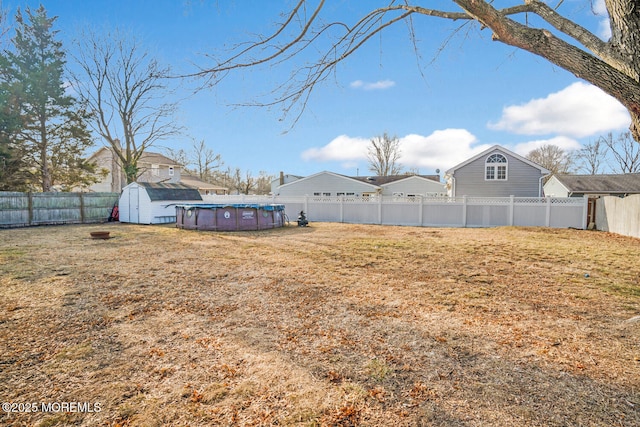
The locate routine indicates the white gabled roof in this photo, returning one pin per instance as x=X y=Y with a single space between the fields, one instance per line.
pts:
x=408 y=177
x=554 y=179
x=337 y=175
x=503 y=150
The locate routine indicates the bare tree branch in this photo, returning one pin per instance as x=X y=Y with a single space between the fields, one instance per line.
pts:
x=626 y=153
x=611 y=66
x=592 y=156
x=127 y=93
x=384 y=154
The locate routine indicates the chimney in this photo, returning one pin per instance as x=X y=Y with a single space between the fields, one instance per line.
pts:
x=281 y=178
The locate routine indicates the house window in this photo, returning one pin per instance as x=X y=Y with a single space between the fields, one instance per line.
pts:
x=326 y=194
x=496 y=168
x=170 y=170
x=155 y=170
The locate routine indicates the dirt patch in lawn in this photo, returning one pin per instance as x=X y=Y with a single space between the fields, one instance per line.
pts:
x=331 y=325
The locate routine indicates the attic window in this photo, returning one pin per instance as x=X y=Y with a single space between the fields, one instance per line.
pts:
x=496 y=168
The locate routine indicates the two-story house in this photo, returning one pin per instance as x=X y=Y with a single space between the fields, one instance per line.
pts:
x=497 y=172
x=153 y=167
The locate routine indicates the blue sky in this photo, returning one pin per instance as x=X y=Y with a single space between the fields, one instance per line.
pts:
x=445 y=106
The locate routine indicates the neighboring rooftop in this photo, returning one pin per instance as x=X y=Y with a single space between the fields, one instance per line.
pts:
x=627 y=183
x=195 y=182
x=381 y=180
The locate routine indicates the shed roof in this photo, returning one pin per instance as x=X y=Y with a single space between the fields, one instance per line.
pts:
x=166 y=191
x=620 y=184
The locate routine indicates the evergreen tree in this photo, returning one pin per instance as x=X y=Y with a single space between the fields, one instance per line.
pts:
x=13 y=175
x=41 y=123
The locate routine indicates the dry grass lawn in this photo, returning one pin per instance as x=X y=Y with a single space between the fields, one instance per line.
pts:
x=332 y=325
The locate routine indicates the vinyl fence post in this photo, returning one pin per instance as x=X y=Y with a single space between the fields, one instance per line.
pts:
x=380 y=209
x=548 y=215
x=420 y=208
x=511 y=209
x=341 y=208
x=464 y=210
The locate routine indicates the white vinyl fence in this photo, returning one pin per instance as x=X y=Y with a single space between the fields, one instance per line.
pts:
x=429 y=211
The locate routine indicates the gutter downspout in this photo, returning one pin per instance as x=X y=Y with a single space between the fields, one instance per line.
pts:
x=540 y=186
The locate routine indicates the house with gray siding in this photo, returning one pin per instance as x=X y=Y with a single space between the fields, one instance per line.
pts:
x=497 y=172
x=330 y=184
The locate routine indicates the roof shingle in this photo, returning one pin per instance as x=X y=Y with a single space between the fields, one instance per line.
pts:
x=165 y=191
x=620 y=184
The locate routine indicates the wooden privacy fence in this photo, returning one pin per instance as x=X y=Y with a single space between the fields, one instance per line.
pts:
x=25 y=209
x=430 y=211
x=619 y=215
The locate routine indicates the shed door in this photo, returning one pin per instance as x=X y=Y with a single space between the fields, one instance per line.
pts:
x=134 y=202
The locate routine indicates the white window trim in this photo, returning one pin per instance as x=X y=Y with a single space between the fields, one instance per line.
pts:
x=494 y=166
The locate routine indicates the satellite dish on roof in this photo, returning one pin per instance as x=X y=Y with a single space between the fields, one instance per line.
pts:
x=437 y=170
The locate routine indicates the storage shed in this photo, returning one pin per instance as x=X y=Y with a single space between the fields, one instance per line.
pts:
x=154 y=203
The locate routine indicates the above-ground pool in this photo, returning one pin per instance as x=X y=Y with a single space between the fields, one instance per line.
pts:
x=234 y=217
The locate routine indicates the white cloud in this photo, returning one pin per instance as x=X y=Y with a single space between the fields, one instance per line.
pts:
x=379 y=85
x=440 y=150
x=579 y=110
x=341 y=148
x=600 y=7
x=567 y=144
x=604 y=27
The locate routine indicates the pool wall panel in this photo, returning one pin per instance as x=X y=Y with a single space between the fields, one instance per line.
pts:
x=229 y=217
